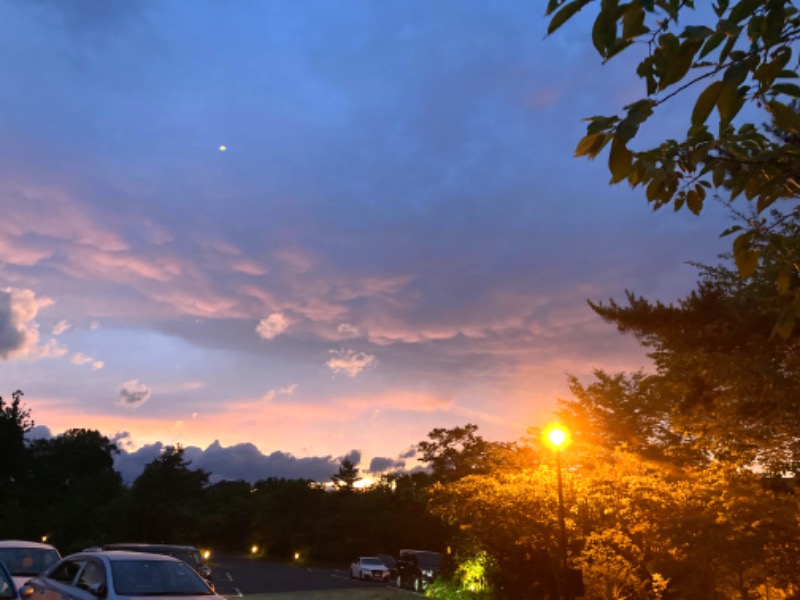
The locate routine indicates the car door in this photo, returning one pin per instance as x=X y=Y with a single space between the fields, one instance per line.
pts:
x=56 y=584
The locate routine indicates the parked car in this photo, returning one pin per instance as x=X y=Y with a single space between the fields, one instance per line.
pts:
x=369 y=567
x=27 y=559
x=118 y=575
x=417 y=568
x=391 y=564
x=8 y=590
x=188 y=554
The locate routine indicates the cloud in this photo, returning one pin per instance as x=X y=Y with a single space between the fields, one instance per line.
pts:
x=272 y=326
x=39 y=432
x=350 y=362
x=380 y=464
x=288 y=390
x=19 y=331
x=240 y=462
x=79 y=358
x=410 y=453
x=348 y=330
x=61 y=327
x=354 y=456
x=133 y=394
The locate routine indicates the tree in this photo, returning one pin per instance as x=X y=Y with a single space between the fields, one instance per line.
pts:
x=637 y=528
x=457 y=452
x=742 y=60
x=346 y=477
x=77 y=467
x=15 y=422
x=168 y=499
x=723 y=385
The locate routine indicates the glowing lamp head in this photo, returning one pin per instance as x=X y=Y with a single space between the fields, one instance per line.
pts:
x=557 y=437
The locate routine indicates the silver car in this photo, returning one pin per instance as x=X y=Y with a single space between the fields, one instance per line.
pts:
x=27 y=559
x=117 y=575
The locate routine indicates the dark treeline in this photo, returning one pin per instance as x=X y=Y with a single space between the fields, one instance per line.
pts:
x=66 y=488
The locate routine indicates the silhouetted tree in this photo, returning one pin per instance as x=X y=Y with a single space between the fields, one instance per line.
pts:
x=346 y=477
x=15 y=422
x=457 y=452
x=77 y=467
x=169 y=499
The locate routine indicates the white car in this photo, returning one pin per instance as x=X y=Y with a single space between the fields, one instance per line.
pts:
x=26 y=560
x=118 y=575
x=369 y=567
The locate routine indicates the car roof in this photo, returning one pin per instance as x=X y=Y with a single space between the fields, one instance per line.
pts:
x=137 y=546
x=25 y=544
x=126 y=555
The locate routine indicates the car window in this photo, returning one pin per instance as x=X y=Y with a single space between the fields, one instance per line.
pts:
x=156 y=578
x=92 y=577
x=65 y=571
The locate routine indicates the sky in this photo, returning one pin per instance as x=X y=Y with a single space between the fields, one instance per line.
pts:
x=284 y=232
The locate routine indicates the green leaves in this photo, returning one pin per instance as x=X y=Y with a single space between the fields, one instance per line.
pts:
x=745 y=254
x=566 y=13
x=742 y=140
x=679 y=62
x=591 y=145
x=786 y=118
x=706 y=103
x=619 y=160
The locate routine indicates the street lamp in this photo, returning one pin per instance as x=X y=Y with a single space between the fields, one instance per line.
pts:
x=557 y=438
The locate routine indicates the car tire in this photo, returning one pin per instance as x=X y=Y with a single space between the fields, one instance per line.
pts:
x=399 y=581
x=417 y=584
x=352 y=575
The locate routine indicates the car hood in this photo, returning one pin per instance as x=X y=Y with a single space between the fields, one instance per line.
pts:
x=20 y=580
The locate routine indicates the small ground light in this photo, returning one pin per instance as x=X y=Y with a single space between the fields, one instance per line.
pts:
x=206 y=554
x=44 y=539
x=254 y=549
x=297 y=556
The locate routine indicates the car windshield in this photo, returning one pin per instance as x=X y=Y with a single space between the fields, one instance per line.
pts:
x=156 y=578
x=27 y=561
x=371 y=561
x=429 y=560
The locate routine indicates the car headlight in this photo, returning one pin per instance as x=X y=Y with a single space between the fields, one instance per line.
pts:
x=427 y=572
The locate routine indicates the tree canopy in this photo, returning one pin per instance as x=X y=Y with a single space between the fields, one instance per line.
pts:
x=738 y=58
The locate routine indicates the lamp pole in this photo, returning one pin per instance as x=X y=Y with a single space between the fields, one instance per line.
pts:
x=563 y=527
x=557 y=437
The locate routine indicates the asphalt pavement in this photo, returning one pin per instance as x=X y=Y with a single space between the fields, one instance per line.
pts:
x=257 y=579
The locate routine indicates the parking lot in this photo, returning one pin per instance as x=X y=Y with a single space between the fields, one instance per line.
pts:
x=348 y=594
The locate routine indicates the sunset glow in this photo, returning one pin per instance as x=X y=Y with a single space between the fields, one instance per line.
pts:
x=397 y=237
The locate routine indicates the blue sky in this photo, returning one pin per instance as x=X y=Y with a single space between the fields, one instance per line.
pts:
x=284 y=232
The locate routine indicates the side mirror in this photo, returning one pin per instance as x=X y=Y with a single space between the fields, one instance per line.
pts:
x=98 y=590
x=26 y=591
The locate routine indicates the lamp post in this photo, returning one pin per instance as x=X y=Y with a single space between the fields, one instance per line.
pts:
x=557 y=438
